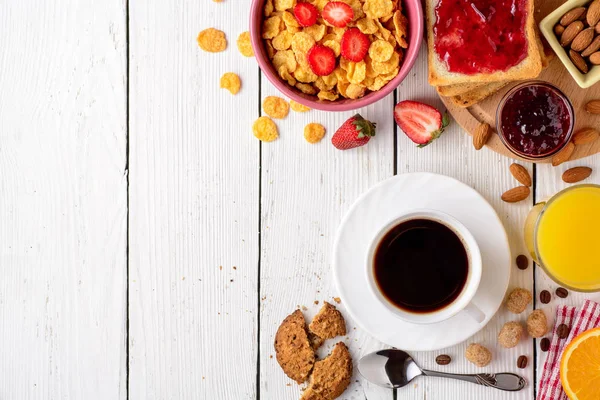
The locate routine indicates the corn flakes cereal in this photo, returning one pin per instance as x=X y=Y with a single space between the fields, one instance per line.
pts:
x=383 y=32
x=217 y=1
x=231 y=82
x=342 y=87
x=276 y=107
x=270 y=50
x=313 y=132
x=400 y=25
x=357 y=8
x=316 y=31
x=376 y=9
x=321 y=85
x=282 y=5
x=330 y=80
x=320 y=4
x=269 y=8
x=301 y=44
x=271 y=27
x=377 y=84
x=298 y=107
x=357 y=73
x=285 y=74
x=387 y=66
x=354 y=91
x=286 y=58
x=326 y=95
x=305 y=75
x=282 y=41
x=333 y=45
x=381 y=51
x=291 y=23
x=306 y=88
x=212 y=40
x=244 y=45
x=265 y=129
x=367 y=26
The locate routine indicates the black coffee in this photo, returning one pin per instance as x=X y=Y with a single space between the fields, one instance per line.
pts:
x=421 y=265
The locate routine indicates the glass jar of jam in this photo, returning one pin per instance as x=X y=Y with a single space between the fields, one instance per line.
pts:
x=535 y=120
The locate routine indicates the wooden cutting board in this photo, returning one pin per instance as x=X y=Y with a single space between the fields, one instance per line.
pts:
x=485 y=111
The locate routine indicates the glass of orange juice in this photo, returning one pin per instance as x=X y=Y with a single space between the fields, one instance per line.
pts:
x=563 y=237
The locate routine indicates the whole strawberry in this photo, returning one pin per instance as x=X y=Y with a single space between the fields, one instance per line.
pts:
x=355 y=132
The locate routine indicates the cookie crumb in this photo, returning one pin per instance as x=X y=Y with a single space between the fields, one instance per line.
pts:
x=337 y=300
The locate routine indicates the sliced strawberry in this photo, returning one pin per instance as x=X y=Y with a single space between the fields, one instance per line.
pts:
x=306 y=14
x=321 y=60
x=337 y=13
x=355 y=132
x=355 y=45
x=420 y=122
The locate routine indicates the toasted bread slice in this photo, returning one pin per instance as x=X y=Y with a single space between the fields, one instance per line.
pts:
x=458 y=88
x=528 y=68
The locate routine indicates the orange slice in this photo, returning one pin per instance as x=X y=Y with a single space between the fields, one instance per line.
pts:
x=580 y=367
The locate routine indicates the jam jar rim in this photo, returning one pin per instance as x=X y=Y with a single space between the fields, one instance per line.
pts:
x=560 y=94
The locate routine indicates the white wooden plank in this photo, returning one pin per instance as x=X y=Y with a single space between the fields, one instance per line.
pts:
x=487 y=172
x=193 y=206
x=63 y=199
x=306 y=190
x=549 y=182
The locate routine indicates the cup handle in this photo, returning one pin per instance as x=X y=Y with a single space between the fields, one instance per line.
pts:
x=474 y=312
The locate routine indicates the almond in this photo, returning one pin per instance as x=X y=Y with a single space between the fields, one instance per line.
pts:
x=520 y=173
x=585 y=136
x=578 y=61
x=593 y=13
x=572 y=15
x=595 y=58
x=563 y=155
x=570 y=32
x=593 y=107
x=576 y=174
x=516 y=194
x=481 y=136
x=583 y=40
x=592 y=48
x=558 y=29
x=598 y=28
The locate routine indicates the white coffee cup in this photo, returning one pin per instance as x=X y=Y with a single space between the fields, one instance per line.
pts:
x=463 y=302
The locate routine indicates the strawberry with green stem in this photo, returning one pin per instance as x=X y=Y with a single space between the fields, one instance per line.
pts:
x=355 y=132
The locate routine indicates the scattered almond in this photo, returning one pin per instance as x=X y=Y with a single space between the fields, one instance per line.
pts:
x=576 y=174
x=520 y=173
x=595 y=58
x=572 y=15
x=516 y=194
x=593 y=107
x=558 y=29
x=585 y=136
x=570 y=32
x=482 y=135
x=563 y=155
x=583 y=40
x=578 y=61
x=593 y=13
x=592 y=48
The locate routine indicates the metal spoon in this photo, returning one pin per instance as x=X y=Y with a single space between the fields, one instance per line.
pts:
x=396 y=368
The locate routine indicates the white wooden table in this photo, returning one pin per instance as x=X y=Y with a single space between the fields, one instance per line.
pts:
x=150 y=245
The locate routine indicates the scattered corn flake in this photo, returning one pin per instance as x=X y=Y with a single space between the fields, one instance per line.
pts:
x=381 y=51
x=265 y=129
x=326 y=95
x=298 y=107
x=245 y=45
x=231 y=82
x=313 y=133
x=285 y=57
x=282 y=5
x=271 y=27
x=218 y=1
x=376 y=9
x=276 y=107
x=212 y=40
x=316 y=31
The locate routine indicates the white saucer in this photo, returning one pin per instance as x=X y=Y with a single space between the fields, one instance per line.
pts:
x=396 y=196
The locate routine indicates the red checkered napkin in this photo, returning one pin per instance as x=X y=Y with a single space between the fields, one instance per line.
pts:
x=587 y=317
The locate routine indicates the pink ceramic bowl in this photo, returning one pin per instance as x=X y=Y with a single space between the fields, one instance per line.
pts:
x=413 y=11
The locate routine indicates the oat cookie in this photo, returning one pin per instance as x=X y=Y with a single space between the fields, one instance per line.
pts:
x=328 y=323
x=331 y=376
x=292 y=347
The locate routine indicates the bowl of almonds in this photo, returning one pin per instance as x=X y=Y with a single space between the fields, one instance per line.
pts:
x=573 y=32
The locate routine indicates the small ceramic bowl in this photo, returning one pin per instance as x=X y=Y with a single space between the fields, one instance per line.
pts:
x=547 y=29
x=414 y=13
